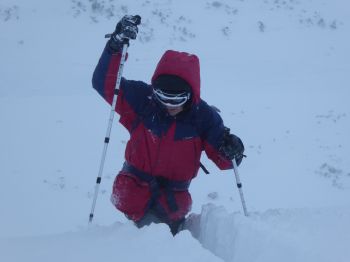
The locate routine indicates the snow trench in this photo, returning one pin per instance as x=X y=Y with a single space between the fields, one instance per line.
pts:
x=276 y=235
x=288 y=235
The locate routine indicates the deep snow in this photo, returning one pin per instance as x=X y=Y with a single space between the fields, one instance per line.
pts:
x=278 y=70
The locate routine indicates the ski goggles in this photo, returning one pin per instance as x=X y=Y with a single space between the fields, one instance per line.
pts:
x=171 y=100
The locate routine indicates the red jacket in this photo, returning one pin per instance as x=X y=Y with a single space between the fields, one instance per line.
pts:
x=160 y=145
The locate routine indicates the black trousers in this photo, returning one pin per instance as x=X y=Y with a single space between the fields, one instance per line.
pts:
x=152 y=217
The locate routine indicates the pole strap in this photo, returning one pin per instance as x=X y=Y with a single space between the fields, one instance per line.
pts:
x=205 y=170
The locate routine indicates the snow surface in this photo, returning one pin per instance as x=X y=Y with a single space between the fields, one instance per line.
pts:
x=277 y=69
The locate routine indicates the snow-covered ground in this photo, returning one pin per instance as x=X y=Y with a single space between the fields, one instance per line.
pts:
x=277 y=69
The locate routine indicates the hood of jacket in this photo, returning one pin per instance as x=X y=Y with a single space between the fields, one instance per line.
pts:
x=183 y=65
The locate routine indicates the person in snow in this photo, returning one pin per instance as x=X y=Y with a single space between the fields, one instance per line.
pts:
x=169 y=126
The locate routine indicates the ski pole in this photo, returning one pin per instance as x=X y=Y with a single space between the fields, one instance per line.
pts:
x=108 y=133
x=239 y=186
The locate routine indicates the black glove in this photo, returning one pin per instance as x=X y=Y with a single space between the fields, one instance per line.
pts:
x=231 y=146
x=125 y=30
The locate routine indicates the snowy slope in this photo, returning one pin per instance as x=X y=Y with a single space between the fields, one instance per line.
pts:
x=278 y=70
x=116 y=242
